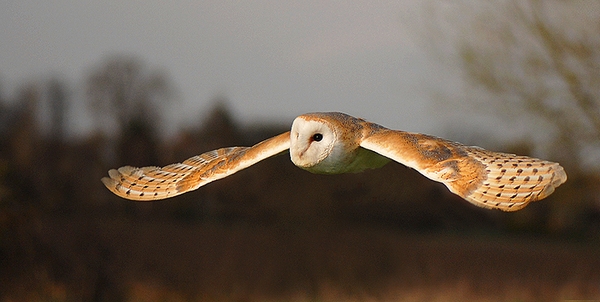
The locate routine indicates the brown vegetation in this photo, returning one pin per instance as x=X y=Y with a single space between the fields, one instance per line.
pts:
x=272 y=232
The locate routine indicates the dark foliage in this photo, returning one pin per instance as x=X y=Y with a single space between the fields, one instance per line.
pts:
x=269 y=232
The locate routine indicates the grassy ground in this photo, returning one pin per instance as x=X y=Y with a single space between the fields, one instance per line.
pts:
x=111 y=260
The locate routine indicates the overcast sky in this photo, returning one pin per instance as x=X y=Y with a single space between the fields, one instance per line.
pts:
x=273 y=60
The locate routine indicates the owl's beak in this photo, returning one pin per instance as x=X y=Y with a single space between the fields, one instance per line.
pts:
x=301 y=153
x=299 y=146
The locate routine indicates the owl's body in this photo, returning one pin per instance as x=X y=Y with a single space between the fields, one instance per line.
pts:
x=334 y=143
x=345 y=155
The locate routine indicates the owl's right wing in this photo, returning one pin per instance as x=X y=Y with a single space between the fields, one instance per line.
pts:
x=485 y=178
x=154 y=183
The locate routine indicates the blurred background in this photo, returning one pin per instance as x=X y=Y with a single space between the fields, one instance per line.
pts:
x=86 y=87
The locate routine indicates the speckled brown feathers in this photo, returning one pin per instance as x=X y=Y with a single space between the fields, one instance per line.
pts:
x=485 y=178
x=154 y=183
x=333 y=143
x=510 y=182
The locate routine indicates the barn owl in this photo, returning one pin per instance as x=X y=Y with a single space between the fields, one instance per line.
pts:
x=334 y=143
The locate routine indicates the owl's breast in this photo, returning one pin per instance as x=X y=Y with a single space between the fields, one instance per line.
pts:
x=340 y=161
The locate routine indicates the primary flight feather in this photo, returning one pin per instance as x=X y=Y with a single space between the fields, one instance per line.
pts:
x=334 y=143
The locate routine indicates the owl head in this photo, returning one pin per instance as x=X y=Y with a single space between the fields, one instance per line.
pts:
x=312 y=140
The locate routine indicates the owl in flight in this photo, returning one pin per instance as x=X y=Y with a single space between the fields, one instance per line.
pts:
x=334 y=143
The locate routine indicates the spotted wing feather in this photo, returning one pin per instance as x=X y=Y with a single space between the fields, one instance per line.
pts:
x=510 y=182
x=154 y=183
x=487 y=179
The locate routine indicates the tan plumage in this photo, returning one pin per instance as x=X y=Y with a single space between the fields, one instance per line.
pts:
x=485 y=178
x=333 y=143
x=154 y=183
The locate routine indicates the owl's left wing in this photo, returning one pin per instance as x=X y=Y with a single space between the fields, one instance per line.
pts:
x=154 y=183
x=485 y=178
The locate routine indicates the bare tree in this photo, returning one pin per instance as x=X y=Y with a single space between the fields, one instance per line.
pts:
x=536 y=60
x=536 y=65
x=123 y=91
x=128 y=100
x=58 y=102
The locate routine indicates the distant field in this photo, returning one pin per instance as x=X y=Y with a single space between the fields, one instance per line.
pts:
x=151 y=261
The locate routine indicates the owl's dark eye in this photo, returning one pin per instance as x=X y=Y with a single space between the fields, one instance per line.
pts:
x=317 y=137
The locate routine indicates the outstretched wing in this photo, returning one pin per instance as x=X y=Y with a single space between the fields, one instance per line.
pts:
x=154 y=183
x=487 y=179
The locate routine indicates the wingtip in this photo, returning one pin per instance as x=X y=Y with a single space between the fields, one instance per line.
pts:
x=113 y=174
x=560 y=176
x=109 y=183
